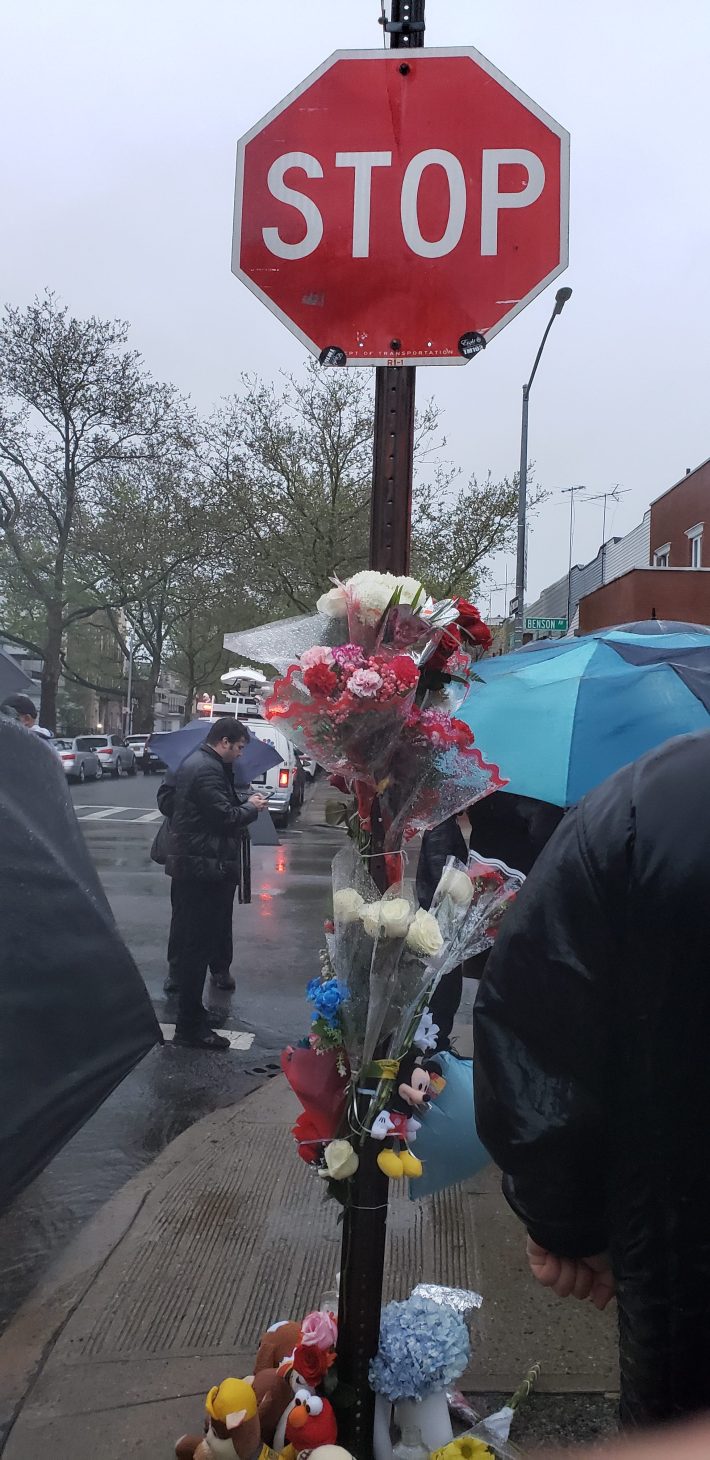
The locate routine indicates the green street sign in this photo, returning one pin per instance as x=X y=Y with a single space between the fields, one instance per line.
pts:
x=547 y=625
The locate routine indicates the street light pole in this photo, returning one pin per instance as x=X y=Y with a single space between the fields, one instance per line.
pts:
x=129 y=691
x=561 y=298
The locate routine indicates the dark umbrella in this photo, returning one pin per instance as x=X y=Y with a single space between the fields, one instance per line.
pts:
x=13 y=680
x=174 y=746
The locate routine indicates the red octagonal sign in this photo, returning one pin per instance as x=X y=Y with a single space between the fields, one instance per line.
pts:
x=390 y=207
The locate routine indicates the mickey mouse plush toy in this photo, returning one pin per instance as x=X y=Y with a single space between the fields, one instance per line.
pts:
x=420 y=1081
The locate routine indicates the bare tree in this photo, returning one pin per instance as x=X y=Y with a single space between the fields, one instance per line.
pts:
x=458 y=526
x=73 y=400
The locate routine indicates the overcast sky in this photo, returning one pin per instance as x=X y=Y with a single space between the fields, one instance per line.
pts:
x=120 y=123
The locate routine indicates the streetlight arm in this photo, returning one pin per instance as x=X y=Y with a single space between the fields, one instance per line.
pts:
x=543 y=342
x=561 y=298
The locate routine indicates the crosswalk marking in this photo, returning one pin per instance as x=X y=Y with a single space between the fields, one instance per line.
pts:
x=116 y=813
x=102 y=815
x=238 y=1038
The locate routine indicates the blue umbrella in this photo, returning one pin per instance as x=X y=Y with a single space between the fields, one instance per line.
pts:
x=562 y=719
x=173 y=747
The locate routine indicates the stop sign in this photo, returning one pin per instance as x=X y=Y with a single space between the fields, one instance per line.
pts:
x=397 y=202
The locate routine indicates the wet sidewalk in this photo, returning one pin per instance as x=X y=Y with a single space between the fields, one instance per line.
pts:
x=169 y=1289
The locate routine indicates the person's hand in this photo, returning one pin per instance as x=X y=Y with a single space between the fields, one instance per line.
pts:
x=259 y=801
x=577 y=1277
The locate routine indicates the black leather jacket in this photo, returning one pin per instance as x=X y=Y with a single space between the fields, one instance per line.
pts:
x=592 y=1061
x=207 y=820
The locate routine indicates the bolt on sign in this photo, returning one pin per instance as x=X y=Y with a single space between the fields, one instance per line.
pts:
x=396 y=210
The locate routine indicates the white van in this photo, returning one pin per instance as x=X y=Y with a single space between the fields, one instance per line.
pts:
x=279 y=783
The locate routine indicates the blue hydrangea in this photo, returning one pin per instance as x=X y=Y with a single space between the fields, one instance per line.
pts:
x=423 y=1347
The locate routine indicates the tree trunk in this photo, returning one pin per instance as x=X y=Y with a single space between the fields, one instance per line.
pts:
x=145 y=697
x=51 y=670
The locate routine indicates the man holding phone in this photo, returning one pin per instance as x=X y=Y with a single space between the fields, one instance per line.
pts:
x=208 y=823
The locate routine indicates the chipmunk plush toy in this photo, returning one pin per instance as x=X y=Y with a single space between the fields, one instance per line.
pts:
x=232 y=1426
x=419 y=1081
x=277 y=1344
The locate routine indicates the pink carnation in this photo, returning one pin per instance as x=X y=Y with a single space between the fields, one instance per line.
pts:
x=364 y=683
x=319 y=654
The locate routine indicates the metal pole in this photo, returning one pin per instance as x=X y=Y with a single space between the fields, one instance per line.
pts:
x=561 y=298
x=391 y=509
x=129 y=692
x=522 y=523
x=365 y=1219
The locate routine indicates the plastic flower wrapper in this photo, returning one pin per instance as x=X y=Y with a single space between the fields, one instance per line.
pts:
x=366 y=948
x=347 y=709
x=351 y=948
x=424 y=1346
x=281 y=643
x=387 y=923
x=435 y=771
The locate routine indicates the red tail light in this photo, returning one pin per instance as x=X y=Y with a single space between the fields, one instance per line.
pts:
x=104 y=750
x=283 y=778
x=67 y=756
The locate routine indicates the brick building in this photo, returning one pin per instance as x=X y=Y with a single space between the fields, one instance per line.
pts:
x=674 y=581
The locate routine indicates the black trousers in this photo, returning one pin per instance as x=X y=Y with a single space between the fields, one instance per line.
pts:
x=220 y=960
x=200 y=911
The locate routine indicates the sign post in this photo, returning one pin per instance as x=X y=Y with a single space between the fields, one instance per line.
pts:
x=396 y=210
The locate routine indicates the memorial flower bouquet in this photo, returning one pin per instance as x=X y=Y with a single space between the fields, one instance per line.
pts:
x=353 y=692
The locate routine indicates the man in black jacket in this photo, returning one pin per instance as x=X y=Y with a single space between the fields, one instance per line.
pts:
x=207 y=824
x=592 y=1068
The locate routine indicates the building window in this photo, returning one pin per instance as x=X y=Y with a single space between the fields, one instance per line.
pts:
x=695 y=538
x=661 y=557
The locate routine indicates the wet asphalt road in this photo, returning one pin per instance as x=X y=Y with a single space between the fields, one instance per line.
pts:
x=276 y=943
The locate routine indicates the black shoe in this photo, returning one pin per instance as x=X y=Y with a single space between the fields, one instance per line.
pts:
x=201 y=1039
x=223 y=981
x=171 y=985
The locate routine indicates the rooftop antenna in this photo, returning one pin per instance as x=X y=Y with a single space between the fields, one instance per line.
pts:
x=614 y=495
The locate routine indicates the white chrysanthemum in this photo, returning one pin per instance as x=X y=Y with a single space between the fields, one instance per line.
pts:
x=371 y=592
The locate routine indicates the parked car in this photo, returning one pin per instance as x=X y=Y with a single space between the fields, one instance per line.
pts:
x=147 y=759
x=115 y=755
x=77 y=764
x=280 y=782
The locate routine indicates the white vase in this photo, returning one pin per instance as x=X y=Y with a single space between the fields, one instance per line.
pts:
x=382 y=1439
x=410 y=1445
x=426 y=1421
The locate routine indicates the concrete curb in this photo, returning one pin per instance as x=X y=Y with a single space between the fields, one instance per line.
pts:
x=29 y=1339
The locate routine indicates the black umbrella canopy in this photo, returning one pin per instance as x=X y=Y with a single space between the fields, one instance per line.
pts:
x=13 y=680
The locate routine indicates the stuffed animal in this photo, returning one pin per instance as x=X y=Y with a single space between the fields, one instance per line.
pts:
x=277 y=1344
x=311 y=1423
x=419 y=1082
x=274 y=1396
x=231 y=1427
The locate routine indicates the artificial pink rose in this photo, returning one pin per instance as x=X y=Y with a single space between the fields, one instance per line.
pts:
x=319 y=654
x=320 y=1329
x=364 y=683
